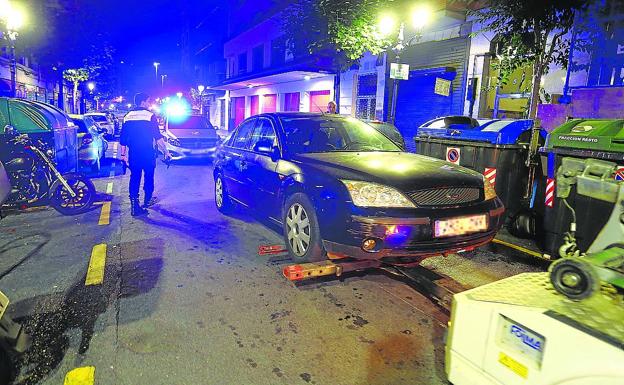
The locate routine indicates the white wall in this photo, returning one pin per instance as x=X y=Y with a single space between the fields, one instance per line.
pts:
x=304 y=87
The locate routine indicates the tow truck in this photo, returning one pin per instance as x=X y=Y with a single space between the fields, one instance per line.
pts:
x=563 y=327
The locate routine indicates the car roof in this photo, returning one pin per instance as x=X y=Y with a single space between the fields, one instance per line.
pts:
x=96 y=113
x=75 y=116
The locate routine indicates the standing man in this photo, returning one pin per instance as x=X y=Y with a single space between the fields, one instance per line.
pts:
x=138 y=133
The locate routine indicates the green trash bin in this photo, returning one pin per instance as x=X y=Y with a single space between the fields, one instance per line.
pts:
x=580 y=139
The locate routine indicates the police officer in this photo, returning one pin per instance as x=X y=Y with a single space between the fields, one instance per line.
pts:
x=138 y=133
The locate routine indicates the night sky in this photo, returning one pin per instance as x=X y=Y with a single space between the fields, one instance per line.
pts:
x=141 y=32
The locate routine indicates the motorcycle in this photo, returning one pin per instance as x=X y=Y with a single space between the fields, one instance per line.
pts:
x=34 y=178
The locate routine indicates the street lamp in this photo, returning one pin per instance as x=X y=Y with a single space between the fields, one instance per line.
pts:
x=91 y=86
x=156 y=64
x=420 y=17
x=179 y=95
x=201 y=89
x=13 y=20
x=162 y=80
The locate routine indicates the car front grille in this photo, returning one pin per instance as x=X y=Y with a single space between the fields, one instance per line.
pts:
x=450 y=196
x=197 y=143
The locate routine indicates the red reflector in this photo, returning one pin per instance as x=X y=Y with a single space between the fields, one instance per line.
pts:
x=271 y=249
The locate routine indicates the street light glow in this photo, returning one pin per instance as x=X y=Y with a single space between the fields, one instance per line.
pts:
x=15 y=18
x=91 y=86
x=200 y=88
x=179 y=94
x=386 y=25
x=421 y=16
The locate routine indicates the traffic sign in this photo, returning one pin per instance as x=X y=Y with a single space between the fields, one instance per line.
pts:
x=453 y=154
x=619 y=174
x=399 y=71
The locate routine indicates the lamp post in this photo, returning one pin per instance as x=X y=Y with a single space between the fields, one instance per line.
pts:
x=156 y=64
x=201 y=89
x=91 y=87
x=13 y=20
x=420 y=18
x=162 y=81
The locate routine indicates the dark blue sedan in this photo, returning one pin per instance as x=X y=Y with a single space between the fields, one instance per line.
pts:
x=338 y=186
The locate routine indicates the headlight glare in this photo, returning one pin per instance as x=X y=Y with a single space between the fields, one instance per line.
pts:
x=366 y=194
x=490 y=192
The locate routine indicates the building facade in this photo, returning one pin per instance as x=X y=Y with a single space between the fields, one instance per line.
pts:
x=262 y=75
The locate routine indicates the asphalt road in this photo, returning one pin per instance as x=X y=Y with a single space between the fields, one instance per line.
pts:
x=186 y=299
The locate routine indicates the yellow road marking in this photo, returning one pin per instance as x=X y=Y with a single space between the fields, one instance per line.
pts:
x=519 y=248
x=105 y=214
x=80 y=376
x=95 y=273
x=109 y=188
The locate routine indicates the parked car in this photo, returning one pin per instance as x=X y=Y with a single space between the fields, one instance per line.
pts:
x=104 y=121
x=338 y=186
x=42 y=122
x=190 y=137
x=92 y=145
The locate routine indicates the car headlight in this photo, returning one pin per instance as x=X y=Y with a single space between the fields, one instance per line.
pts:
x=366 y=194
x=490 y=192
x=173 y=141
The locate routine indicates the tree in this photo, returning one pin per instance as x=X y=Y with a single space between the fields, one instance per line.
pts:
x=76 y=76
x=531 y=32
x=340 y=29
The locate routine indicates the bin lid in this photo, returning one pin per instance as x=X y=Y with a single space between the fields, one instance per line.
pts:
x=589 y=134
x=493 y=131
x=31 y=117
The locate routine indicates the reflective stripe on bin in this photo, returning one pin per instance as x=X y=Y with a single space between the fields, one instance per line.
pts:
x=550 y=192
x=490 y=175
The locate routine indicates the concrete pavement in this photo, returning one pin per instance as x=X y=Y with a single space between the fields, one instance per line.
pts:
x=186 y=299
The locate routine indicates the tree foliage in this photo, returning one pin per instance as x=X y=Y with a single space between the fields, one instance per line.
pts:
x=348 y=28
x=531 y=32
x=76 y=76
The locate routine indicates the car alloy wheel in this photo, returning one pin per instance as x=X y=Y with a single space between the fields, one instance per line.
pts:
x=298 y=227
x=219 y=193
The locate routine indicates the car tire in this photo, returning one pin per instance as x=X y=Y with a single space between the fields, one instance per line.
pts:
x=222 y=198
x=301 y=229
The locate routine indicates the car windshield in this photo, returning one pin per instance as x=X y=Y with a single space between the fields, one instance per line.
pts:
x=331 y=134
x=191 y=122
x=98 y=118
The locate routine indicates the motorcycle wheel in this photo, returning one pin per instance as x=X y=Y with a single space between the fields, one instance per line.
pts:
x=62 y=201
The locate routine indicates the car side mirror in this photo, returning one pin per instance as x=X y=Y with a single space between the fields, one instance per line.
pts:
x=9 y=130
x=266 y=147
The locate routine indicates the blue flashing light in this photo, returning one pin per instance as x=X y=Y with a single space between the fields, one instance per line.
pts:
x=177 y=110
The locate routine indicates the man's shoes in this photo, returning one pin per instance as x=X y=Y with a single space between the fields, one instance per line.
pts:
x=136 y=209
x=150 y=202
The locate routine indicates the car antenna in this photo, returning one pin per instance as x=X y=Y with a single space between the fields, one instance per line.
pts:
x=319 y=108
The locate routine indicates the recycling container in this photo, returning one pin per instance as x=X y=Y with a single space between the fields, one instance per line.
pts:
x=579 y=139
x=43 y=122
x=496 y=148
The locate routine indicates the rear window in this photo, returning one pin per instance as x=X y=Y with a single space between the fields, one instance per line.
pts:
x=192 y=122
x=98 y=118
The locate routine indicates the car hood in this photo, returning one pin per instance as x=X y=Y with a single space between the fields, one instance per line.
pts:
x=402 y=170
x=190 y=133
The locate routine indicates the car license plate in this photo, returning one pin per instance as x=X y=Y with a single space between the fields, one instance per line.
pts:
x=460 y=226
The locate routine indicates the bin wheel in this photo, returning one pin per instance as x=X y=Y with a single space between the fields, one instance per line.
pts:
x=574 y=278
